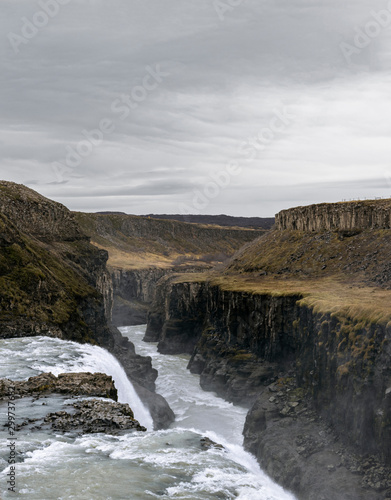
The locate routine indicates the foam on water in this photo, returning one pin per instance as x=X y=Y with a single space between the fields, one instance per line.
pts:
x=163 y=465
x=207 y=414
x=194 y=408
x=32 y=356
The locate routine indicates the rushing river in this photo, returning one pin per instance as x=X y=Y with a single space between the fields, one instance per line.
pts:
x=157 y=464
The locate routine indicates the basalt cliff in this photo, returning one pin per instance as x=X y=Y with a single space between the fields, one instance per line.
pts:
x=297 y=327
x=346 y=216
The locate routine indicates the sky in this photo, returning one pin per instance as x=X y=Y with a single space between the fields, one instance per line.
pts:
x=242 y=107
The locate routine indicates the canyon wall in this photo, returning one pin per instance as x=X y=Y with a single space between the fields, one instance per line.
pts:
x=134 y=292
x=258 y=348
x=347 y=216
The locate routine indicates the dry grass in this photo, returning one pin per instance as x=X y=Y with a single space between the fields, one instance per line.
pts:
x=132 y=260
x=345 y=300
x=138 y=242
x=119 y=259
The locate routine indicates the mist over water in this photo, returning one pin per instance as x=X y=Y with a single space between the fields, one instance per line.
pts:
x=157 y=464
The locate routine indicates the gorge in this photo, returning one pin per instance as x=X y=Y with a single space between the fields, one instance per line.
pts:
x=297 y=327
x=291 y=323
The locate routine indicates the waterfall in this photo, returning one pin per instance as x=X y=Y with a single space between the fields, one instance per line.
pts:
x=42 y=355
x=97 y=359
x=133 y=465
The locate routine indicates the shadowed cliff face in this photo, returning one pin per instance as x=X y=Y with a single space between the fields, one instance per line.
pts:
x=297 y=366
x=239 y=342
x=134 y=291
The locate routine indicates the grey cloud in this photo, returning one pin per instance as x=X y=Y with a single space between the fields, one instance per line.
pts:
x=226 y=78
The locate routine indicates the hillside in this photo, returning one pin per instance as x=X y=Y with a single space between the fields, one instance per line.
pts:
x=49 y=273
x=346 y=268
x=54 y=282
x=139 y=242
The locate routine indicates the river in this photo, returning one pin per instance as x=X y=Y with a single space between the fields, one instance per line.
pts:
x=166 y=464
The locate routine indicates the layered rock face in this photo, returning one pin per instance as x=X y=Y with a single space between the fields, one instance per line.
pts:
x=348 y=216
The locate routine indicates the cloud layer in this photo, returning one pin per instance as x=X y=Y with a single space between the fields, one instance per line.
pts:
x=274 y=103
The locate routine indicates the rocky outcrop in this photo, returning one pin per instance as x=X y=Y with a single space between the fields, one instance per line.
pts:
x=73 y=384
x=242 y=344
x=347 y=216
x=86 y=416
x=38 y=216
x=50 y=275
x=95 y=416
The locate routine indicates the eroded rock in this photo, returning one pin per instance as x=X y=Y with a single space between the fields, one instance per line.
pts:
x=94 y=416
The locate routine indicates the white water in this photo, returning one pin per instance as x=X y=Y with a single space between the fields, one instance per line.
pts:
x=30 y=356
x=165 y=464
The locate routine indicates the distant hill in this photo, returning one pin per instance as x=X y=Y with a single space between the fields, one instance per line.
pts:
x=135 y=242
x=220 y=220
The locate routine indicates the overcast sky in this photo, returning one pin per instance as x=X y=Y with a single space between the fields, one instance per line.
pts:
x=204 y=106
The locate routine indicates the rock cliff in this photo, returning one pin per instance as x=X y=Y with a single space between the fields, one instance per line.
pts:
x=54 y=282
x=143 y=249
x=134 y=292
x=51 y=277
x=348 y=216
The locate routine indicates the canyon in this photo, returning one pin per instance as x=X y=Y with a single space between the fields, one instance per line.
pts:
x=293 y=323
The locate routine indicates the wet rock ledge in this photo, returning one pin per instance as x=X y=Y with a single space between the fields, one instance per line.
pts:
x=73 y=384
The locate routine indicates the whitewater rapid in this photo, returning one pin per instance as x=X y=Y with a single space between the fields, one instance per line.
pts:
x=166 y=464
